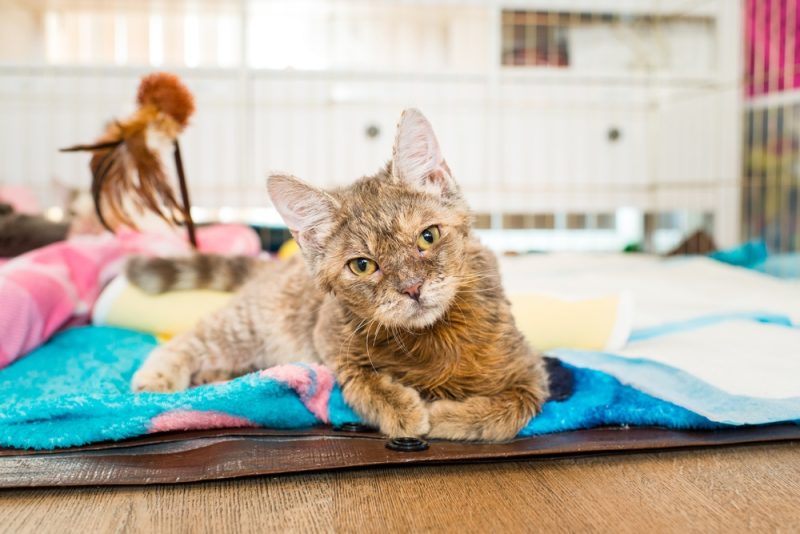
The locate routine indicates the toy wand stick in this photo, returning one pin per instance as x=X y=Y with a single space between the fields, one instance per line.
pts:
x=187 y=205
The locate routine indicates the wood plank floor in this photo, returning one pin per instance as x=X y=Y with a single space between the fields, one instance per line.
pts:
x=750 y=488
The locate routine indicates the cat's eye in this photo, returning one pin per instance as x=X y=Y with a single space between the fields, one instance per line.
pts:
x=428 y=237
x=362 y=266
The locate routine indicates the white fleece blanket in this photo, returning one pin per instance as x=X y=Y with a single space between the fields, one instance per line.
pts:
x=664 y=291
x=721 y=341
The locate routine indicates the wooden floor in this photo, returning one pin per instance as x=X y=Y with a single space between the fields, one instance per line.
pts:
x=755 y=488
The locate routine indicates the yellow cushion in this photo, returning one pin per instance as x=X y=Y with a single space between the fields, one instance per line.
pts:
x=288 y=249
x=166 y=315
x=549 y=322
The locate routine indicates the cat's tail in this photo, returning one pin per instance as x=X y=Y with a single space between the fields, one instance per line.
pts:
x=201 y=271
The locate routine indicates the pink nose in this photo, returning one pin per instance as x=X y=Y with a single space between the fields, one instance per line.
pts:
x=413 y=290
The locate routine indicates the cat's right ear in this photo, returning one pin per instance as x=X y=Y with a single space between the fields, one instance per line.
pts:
x=307 y=211
x=417 y=158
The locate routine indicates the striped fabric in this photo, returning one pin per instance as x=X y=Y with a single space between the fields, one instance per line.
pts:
x=57 y=285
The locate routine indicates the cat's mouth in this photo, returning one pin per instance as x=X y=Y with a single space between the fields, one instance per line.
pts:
x=423 y=314
x=430 y=307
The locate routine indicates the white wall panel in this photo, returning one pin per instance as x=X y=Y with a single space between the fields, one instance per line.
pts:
x=518 y=139
x=551 y=140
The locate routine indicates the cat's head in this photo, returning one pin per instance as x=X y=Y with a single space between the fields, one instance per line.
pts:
x=389 y=246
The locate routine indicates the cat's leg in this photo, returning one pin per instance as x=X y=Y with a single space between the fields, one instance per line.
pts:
x=219 y=347
x=397 y=410
x=486 y=418
x=170 y=366
x=377 y=398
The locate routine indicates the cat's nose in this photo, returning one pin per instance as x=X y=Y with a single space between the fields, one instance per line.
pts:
x=413 y=288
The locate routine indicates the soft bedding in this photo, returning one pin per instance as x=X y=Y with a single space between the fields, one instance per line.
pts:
x=719 y=340
x=713 y=345
x=733 y=370
x=75 y=390
x=51 y=287
x=664 y=291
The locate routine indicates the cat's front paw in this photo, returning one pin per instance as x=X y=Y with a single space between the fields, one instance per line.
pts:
x=450 y=420
x=161 y=376
x=478 y=419
x=159 y=381
x=404 y=415
x=475 y=419
x=397 y=410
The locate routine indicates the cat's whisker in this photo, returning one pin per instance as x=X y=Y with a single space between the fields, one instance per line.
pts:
x=366 y=346
x=349 y=340
x=475 y=275
x=455 y=301
x=377 y=331
x=400 y=342
x=479 y=290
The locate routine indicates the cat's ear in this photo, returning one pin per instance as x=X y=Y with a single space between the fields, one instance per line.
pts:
x=417 y=158
x=307 y=211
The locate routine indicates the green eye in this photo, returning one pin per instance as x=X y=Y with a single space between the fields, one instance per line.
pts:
x=362 y=266
x=428 y=237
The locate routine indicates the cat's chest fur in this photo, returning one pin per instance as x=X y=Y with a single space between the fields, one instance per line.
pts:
x=461 y=355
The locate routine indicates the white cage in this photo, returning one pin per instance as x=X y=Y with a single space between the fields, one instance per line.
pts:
x=571 y=124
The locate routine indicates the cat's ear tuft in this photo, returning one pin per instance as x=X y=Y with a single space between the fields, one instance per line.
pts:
x=307 y=211
x=417 y=158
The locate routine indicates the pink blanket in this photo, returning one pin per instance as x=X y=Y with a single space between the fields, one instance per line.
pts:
x=54 y=286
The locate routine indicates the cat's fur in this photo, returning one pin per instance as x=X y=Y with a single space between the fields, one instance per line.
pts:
x=449 y=363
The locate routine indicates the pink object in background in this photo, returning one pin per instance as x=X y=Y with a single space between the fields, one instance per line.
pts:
x=20 y=197
x=772 y=47
x=47 y=288
x=228 y=239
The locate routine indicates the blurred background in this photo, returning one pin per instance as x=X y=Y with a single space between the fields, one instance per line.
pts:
x=570 y=124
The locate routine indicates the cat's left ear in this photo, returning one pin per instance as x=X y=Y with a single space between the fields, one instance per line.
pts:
x=417 y=158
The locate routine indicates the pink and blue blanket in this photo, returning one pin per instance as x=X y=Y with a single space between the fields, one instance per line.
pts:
x=75 y=390
x=51 y=287
x=731 y=368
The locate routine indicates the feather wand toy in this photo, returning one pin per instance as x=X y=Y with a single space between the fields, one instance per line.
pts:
x=126 y=162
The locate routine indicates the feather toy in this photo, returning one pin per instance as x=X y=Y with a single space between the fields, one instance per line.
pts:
x=126 y=160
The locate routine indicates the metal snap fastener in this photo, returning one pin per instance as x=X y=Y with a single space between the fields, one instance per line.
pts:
x=407 y=444
x=353 y=427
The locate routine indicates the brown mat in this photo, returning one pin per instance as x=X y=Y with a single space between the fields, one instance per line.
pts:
x=217 y=454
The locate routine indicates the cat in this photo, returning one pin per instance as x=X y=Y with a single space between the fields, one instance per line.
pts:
x=391 y=290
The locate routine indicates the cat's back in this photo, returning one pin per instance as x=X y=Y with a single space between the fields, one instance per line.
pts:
x=281 y=302
x=283 y=284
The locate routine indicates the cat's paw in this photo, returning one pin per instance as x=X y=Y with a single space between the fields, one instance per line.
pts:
x=161 y=377
x=159 y=381
x=448 y=421
x=405 y=415
x=211 y=376
x=471 y=420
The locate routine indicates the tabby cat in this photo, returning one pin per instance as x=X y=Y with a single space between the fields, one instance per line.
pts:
x=392 y=291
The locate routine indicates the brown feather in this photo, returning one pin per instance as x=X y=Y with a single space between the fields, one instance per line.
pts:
x=168 y=94
x=92 y=147
x=124 y=167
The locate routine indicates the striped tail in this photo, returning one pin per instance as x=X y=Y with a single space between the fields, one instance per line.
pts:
x=201 y=271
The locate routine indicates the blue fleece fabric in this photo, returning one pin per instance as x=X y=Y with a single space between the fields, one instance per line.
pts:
x=75 y=390
x=756 y=256
x=746 y=255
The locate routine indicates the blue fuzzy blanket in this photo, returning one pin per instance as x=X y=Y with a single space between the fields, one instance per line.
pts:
x=75 y=390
